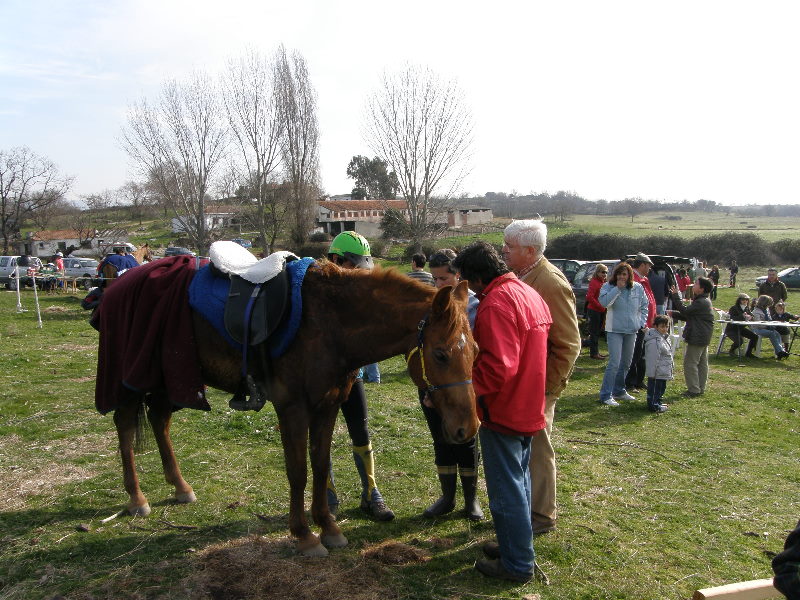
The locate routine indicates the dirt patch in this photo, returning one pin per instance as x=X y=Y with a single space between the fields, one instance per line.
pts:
x=56 y=309
x=253 y=567
x=395 y=553
x=41 y=467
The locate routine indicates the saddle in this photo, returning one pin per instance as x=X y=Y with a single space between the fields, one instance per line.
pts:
x=257 y=304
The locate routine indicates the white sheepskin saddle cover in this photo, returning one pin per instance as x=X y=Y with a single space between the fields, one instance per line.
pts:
x=231 y=258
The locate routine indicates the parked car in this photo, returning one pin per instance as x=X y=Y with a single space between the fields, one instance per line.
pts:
x=790 y=277
x=177 y=251
x=580 y=282
x=85 y=269
x=243 y=242
x=567 y=266
x=8 y=267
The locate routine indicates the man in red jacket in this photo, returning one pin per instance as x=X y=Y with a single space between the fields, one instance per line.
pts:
x=509 y=378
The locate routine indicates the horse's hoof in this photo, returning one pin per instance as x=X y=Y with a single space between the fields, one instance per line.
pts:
x=318 y=551
x=185 y=497
x=139 y=511
x=334 y=541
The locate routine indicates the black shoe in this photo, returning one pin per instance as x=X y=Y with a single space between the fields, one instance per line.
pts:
x=783 y=355
x=494 y=568
x=688 y=394
x=491 y=550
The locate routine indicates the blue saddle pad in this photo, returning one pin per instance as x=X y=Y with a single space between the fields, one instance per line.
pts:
x=208 y=294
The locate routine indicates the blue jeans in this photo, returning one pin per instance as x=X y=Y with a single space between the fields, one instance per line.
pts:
x=372 y=373
x=772 y=335
x=620 y=353
x=655 y=391
x=505 y=465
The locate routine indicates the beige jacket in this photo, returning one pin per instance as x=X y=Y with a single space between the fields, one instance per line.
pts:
x=564 y=339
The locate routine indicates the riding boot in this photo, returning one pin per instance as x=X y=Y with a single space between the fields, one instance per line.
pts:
x=371 y=500
x=751 y=345
x=469 y=485
x=447 y=501
x=333 y=499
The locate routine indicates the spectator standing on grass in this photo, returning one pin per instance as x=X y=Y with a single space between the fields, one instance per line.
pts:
x=509 y=376
x=595 y=311
x=699 y=317
x=658 y=285
x=452 y=460
x=658 y=355
x=634 y=381
x=627 y=306
x=773 y=287
x=418 y=271
x=523 y=250
x=683 y=281
x=713 y=275
x=734 y=269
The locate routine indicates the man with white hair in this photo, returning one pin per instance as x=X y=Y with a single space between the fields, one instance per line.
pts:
x=523 y=251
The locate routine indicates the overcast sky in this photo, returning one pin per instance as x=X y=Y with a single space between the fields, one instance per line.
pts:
x=669 y=100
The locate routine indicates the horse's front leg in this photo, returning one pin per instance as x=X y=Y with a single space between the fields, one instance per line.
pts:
x=322 y=423
x=126 y=421
x=159 y=413
x=294 y=434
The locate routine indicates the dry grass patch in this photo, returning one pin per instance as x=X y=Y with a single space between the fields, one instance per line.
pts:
x=45 y=468
x=254 y=567
x=395 y=553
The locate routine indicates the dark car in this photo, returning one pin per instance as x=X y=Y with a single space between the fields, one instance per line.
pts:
x=567 y=266
x=580 y=283
x=790 y=277
x=177 y=251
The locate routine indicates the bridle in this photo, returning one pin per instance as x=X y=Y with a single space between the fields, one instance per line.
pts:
x=419 y=349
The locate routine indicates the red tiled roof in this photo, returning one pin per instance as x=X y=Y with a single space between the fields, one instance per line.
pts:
x=56 y=234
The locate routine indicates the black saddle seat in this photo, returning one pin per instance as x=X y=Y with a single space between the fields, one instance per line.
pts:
x=270 y=301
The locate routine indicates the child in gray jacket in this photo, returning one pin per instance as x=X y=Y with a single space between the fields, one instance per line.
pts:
x=658 y=359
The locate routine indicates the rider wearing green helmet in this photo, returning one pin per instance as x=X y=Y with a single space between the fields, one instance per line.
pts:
x=351 y=250
x=350 y=247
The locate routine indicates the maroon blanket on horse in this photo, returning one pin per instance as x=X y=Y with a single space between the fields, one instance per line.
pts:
x=146 y=336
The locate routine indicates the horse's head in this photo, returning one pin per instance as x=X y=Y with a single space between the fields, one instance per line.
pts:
x=446 y=352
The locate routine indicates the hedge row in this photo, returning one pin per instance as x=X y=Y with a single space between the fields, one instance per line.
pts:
x=720 y=249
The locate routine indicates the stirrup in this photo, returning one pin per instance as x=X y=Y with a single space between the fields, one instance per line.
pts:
x=240 y=401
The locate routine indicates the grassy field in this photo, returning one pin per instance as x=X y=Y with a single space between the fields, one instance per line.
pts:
x=652 y=507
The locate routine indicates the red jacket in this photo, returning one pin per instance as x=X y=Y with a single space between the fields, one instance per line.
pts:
x=509 y=372
x=651 y=300
x=593 y=295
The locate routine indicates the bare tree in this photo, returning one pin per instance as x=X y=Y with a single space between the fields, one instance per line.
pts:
x=421 y=127
x=28 y=183
x=178 y=144
x=137 y=197
x=45 y=215
x=101 y=200
x=297 y=112
x=252 y=106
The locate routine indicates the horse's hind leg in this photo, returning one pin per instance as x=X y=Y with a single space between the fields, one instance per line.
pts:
x=322 y=423
x=126 y=418
x=294 y=434
x=159 y=413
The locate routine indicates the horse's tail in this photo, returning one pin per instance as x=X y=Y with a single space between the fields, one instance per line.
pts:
x=139 y=437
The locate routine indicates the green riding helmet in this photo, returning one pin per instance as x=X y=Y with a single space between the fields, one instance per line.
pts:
x=354 y=247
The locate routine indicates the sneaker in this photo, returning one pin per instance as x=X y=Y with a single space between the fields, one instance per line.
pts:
x=658 y=408
x=625 y=396
x=376 y=507
x=597 y=357
x=542 y=529
x=609 y=402
x=494 y=568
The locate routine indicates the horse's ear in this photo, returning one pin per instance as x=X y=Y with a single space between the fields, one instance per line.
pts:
x=441 y=301
x=461 y=292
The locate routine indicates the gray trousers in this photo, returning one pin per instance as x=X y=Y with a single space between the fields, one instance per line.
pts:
x=695 y=368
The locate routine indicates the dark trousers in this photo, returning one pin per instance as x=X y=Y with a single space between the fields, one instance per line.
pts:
x=465 y=456
x=737 y=334
x=595 y=329
x=713 y=295
x=655 y=391
x=354 y=410
x=635 y=377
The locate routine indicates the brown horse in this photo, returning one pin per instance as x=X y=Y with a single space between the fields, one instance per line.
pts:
x=350 y=318
x=109 y=272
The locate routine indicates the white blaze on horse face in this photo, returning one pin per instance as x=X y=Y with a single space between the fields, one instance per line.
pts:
x=462 y=342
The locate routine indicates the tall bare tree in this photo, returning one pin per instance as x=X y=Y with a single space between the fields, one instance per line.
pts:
x=136 y=197
x=297 y=113
x=28 y=183
x=252 y=107
x=177 y=144
x=421 y=127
